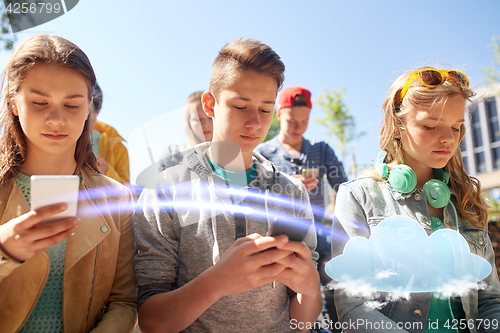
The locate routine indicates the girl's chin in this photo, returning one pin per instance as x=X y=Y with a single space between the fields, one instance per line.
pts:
x=439 y=165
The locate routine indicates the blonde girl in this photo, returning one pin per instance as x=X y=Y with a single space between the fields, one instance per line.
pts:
x=423 y=124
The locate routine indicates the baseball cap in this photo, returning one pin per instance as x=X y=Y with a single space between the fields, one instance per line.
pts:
x=286 y=98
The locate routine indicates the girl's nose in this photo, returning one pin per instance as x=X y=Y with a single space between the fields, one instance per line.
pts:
x=55 y=117
x=448 y=136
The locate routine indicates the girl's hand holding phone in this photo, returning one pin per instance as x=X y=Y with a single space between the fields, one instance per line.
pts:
x=22 y=239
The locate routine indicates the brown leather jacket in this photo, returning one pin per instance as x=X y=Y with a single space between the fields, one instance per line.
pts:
x=99 y=290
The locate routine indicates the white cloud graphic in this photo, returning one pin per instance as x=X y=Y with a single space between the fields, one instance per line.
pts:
x=399 y=257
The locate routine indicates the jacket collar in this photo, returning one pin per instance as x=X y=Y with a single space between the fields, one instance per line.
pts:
x=267 y=174
x=15 y=203
x=449 y=212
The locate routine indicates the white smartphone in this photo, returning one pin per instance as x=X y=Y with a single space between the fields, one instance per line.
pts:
x=49 y=190
x=310 y=172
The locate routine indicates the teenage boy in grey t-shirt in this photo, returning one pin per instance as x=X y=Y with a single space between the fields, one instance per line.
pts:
x=201 y=226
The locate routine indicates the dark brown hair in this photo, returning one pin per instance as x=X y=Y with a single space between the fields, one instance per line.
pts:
x=39 y=49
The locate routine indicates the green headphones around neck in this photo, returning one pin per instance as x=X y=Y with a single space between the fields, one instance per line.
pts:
x=403 y=180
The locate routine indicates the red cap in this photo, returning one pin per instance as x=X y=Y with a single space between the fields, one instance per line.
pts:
x=287 y=97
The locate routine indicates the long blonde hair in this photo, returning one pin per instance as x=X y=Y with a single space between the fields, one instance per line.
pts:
x=471 y=206
x=35 y=50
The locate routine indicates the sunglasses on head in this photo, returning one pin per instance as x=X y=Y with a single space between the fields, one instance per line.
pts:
x=435 y=77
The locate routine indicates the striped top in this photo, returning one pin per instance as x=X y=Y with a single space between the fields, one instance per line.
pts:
x=317 y=154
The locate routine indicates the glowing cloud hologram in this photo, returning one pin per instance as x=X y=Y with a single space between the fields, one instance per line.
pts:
x=400 y=257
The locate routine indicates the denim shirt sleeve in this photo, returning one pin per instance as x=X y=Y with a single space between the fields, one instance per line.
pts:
x=350 y=221
x=334 y=168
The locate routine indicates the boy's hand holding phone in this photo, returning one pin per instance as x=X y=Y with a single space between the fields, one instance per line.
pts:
x=300 y=273
x=308 y=178
x=246 y=264
x=300 y=268
x=22 y=238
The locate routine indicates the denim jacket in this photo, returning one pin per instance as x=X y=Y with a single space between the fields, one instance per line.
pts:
x=361 y=204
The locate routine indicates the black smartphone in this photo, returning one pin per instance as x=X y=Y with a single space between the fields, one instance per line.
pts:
x=295 y=228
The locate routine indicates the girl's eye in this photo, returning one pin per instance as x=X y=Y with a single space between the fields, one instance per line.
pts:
x=239 y=108
x=429 y=128
x=265 y=111
x=456 y=129
x=72 y=106
x=39 y=103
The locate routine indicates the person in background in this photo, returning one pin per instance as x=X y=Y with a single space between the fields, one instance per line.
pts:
x=73 y=275
x=107 y=144
x=292 y=153
x=198 y=126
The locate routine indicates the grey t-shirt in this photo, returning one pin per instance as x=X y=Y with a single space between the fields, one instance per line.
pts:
x=176 y=239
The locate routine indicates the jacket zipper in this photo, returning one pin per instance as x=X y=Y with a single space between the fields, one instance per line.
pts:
x=104 y=308
x=93 y=286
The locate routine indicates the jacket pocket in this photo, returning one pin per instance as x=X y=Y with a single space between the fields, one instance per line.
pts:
x=375 y=221
x=477 y=240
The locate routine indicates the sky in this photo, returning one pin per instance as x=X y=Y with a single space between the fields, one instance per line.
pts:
x=150 y=55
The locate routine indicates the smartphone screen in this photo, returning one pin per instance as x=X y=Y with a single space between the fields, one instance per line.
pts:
x=295 y=228
x=49 y=190
x=310 y=172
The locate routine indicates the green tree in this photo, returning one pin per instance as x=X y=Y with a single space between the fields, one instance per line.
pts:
x=492 y=73
x=338 y=119
x=7 y=38
x=274 y=129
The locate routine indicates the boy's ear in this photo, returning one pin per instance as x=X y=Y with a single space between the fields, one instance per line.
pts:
x=278 y=114
x=208 y=103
